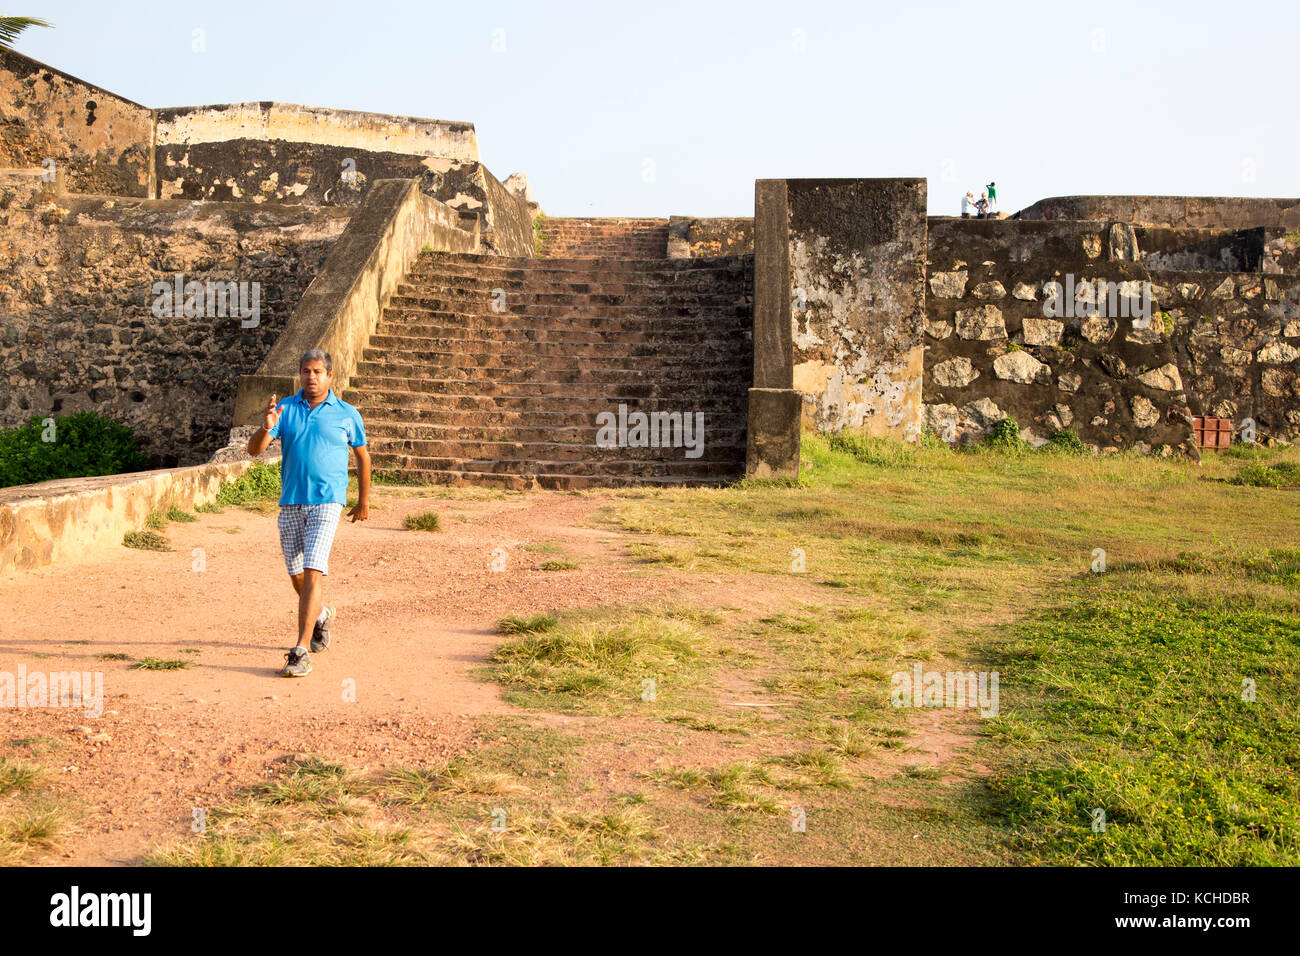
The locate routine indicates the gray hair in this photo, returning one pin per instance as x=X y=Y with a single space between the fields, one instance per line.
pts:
x=317 y=355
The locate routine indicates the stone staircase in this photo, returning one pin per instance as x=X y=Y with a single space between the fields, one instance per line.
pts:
x=490 y=370
x=604 y=238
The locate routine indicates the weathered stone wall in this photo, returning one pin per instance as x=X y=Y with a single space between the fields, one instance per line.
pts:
x=258 y=171
x=290 y=122
x=1207 y=250
x=77 y=329
x=100 y=142
x=696 y=238
x=991 y=352
x=1210 y=212
x=248 y=170
x=1237 y=342
x=857 y=286
x=508 y=224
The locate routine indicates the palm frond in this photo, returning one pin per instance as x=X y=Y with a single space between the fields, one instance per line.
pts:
x=11 y=27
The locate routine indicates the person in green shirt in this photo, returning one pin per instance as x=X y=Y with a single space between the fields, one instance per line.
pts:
x=993 y=197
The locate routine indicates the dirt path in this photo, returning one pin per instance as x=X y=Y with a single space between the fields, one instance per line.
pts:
x=416 y=614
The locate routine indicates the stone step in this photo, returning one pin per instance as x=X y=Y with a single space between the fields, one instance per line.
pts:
x=464 y=351
x=626 y=468
x=550 y=482
x=712 y=449
x=672 y=271
x=414 y=336
x=729 y=431
x=456 y=393
x=715 y=334
x=446 y=416
x=561 y=304
x=560 y=369
x=569 y=408
x=640 y=386
x=509 y=284
x=561 y=318
x=596 y=267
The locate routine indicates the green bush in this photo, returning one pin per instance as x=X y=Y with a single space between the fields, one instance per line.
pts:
x=884 y=452
x=1282 y=474
x=260 y=483
x=85 y=443
x=1005 y=436
x=1067 y=441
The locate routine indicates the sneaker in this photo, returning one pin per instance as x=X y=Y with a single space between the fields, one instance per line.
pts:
x=320 y=637
x=299 y=663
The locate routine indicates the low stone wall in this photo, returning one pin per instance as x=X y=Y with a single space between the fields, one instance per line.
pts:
x=704 y=238
x=100 y=142
x=69 y=518
x=508 y=225
x=1210 y=212
x=268 y=121
x=1219 y=343
x=992 y=351
x=80 y=332
x=254 y=170
x=342 y=306
x=1237 y=343
x=1163 y=248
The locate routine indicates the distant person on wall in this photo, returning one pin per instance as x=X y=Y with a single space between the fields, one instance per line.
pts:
x=993 y=197
x=315 y=428
x=967 y=205
x=982 y=206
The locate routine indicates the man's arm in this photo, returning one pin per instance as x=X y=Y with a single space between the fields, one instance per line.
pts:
x=262 y=437
x=361 y=511
x=259 y=442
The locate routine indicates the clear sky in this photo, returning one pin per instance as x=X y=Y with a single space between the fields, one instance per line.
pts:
x=675 y=108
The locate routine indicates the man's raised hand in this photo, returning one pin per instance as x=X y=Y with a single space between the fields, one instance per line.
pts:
x=272 y=415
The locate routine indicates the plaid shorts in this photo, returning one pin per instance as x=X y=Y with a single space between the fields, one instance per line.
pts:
x=306 y=533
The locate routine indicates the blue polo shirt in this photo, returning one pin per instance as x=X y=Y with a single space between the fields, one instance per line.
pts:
x=314 y=448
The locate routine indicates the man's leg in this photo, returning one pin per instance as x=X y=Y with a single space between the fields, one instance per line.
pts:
x=310 y=598
x=321 y=522
x=296 y=581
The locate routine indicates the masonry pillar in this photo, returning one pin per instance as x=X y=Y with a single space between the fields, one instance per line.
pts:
x=857 y=252
x=772 y=447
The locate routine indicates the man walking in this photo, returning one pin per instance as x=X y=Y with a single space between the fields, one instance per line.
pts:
x=315 y=428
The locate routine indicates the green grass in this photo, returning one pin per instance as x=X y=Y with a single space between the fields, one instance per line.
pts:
x=381 y=476
x=425 y=521
x=160 y=664
x=544 y=547
x=535 y=624
x=31 y=822
x=586 y=658
x=1258 y=474
x=540 y=238
x=145 y=541
x=1132 y=700
x=16 y=776
x=113 y=656
x=255 y=489
x=558 y=565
